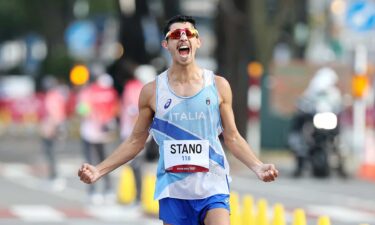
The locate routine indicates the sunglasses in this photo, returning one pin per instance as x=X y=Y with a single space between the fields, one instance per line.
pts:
x=176 y=34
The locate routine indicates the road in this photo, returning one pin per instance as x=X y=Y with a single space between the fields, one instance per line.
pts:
x=27 y=198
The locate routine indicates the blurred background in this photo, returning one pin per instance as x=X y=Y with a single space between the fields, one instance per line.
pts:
x=301 y=73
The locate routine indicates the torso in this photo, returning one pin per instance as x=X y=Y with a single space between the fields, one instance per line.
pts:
x=189 y=112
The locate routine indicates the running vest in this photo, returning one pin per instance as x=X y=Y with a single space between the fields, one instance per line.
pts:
x=186 y=130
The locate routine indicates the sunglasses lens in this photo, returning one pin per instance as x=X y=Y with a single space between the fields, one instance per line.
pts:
x=189 y=33
x=176 y=34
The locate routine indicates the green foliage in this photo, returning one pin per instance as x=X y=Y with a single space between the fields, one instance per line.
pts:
x=49 y=19
x=13 y=18
x=58 y=64
x=103 y=7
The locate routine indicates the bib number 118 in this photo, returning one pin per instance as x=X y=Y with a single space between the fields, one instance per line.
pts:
x=186 y=158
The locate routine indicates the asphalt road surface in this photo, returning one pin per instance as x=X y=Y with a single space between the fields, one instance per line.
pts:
x=27 y=198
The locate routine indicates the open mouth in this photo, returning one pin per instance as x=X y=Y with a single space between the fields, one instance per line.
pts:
x=184 y=50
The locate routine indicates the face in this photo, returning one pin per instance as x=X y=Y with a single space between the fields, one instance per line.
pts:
x=182 y=43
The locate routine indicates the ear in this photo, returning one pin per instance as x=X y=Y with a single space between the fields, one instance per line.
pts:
x=164 y=43
x=199 y=42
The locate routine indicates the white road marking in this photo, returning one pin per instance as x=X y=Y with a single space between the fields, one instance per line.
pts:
x=37 y=213
x=15 y=170
x=115 y=213
x=111 y=214
x=299 y=193
x=342 y=214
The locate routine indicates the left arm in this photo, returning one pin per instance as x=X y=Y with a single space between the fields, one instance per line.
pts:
x=234 y=141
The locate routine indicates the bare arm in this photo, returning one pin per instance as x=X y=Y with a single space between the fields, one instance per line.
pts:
x=234 y=141
x=131 y=146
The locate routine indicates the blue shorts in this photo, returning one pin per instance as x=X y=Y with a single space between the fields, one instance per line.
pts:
x=190 y=212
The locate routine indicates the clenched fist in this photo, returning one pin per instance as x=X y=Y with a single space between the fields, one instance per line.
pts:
x=88 y=173
x=266 y=172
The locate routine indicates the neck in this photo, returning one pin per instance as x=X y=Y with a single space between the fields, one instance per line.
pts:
x=184 y=73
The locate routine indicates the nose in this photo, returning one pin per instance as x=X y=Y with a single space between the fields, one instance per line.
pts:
x=183 y=35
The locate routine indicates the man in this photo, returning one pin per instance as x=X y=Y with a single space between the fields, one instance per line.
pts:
x=187 y=108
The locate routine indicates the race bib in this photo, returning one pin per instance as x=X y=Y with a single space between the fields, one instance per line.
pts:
x=186 y=156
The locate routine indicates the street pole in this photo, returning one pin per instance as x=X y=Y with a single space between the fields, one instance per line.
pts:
x=359 y=106
x=254 y=93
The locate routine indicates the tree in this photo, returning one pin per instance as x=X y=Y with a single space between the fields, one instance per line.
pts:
x=247 y=30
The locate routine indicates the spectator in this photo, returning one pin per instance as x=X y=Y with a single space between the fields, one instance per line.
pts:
x=53 y=126
x=129 y=114
x=98 y=106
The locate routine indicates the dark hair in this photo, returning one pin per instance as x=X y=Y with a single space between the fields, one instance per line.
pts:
x=177 y=19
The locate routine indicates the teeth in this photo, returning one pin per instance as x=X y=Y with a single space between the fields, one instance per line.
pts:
x=183 y=47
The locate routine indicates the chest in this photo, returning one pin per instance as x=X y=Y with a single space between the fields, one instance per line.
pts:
x=186 y=89
x=193 y=101
x=200 y=107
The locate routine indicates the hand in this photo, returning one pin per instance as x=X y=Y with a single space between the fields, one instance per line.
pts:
x=266 y=172
x=88 y=173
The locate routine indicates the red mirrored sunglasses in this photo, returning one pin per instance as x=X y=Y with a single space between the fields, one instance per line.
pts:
x=176 y=34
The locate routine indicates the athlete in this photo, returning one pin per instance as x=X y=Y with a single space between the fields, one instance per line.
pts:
x=185 y=109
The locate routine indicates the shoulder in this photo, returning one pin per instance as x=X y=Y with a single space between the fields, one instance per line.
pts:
x=222 y=84
x=148 y=93
x=223 y=88
x=149 y=89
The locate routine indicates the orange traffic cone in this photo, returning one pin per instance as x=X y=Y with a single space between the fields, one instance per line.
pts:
x=367 y=167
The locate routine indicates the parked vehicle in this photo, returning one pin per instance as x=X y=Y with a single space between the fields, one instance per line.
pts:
x=315 y=130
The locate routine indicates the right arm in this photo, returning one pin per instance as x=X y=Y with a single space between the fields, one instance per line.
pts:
x=131 y=146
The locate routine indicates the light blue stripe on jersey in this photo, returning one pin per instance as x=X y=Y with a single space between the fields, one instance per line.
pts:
x=180 y=134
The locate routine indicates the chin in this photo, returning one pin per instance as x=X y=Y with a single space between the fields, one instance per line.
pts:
x=185 y=63
x=187 y=59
